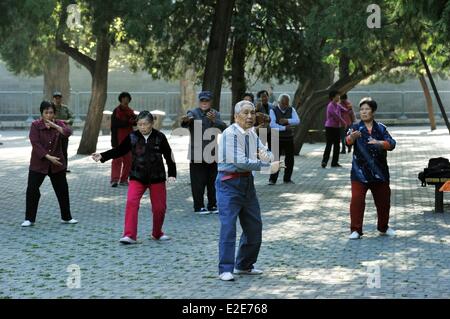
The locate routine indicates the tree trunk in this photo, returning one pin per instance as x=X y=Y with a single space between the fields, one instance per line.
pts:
x=91 y=130
x=344 y=66
x=433 y=85
x=429 y=101
x=188 y=97
x=217 y=49
x=315 y=104
x=305 y=90
x=56 y=76
x=238 y=81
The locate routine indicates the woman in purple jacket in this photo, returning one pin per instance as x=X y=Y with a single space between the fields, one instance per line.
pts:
x=333 y=124
x=47 y=159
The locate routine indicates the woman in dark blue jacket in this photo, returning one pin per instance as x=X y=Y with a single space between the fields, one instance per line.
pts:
x=371 y=141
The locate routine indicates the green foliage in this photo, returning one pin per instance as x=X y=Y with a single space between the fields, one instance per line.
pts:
x=26 y=37
x=287 y=40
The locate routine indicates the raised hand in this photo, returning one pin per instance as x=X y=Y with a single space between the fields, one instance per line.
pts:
x=54 y=160
x=186 y=118
x=275 y=167
x=373 y=141
x=264 y=155
x=355 y=135
x=96 y=157
x=211 y=116
x=171 y=180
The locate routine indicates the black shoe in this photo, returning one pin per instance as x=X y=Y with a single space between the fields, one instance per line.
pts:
x=289 y=182
x=343 y=152
x=123 y=183
x=114 y=184
x=271 y=183
x=336 y=165
x=202 y=211
x=213 y=210
x=324 y=164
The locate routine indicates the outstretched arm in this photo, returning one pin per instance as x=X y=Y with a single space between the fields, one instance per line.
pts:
x=116 y=152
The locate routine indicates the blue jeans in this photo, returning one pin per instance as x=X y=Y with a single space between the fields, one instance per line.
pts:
x=237 y=197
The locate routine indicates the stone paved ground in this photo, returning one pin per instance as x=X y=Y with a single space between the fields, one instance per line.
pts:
x=305 y=251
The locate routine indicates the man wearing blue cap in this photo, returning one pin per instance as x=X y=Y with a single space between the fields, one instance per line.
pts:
x=203 y=169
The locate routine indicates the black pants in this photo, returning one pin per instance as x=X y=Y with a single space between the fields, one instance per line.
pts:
x=203 y=175
x=65 y=146
x=59 y=183
x=286 y=148
x=333 y=135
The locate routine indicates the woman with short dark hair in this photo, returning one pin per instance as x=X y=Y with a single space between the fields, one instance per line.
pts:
x=249 y=97
x=333 y=125
x=47 y=159
x=122 y=121
x=371 y=141
x=148 y=147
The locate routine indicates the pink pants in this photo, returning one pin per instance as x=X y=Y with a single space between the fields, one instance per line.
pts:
x=158 y=200
x=120 y=168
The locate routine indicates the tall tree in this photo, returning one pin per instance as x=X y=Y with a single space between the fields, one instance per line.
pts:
x=28 y=45
x=98 y=67
x=105 y=25
x=217 y=49
x=242 y=25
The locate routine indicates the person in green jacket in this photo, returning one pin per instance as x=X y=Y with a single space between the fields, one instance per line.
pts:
x=64 y=114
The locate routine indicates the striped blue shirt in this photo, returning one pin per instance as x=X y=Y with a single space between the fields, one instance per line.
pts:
x=238 y=150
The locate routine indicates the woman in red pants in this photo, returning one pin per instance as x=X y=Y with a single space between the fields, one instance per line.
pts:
x=148 y=147
x=370 y=169
x=122 y=121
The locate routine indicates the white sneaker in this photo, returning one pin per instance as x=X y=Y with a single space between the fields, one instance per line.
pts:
x=226 y=276
x=127 y=240
x=162 y=238
x=72 y=221
x=27 y=223
x=354 y=235
x=389 y=232
x=253 y=271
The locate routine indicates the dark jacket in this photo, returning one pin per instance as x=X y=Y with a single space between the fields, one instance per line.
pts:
x=121 y=127
x=264 y=108
x=47 y=141
x=199 y=115
x=147 y=164
x=63 y=113
x=370 y=161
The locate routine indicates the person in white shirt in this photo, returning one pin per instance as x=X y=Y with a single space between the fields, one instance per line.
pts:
x=240 y=153
x=283 y=118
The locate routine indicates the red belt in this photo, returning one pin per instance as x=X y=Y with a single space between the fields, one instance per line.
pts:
x=231 y=175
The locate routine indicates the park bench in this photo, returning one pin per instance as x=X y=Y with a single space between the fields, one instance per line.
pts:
x=437 y=174
x=438 y=182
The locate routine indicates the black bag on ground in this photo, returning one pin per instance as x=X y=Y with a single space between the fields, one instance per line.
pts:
x=437 y=167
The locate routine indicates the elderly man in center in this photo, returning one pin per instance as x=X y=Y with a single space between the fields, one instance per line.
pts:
x=240 y=153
